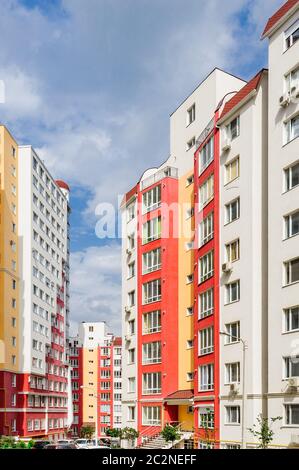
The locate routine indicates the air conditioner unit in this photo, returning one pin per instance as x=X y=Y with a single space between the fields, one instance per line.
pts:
x=127 y=309
x=127 y=338
x=226 y=145
x=233 y=388
x=293 y=382
x=129 y=252
x=284 y=100
x=227 y=267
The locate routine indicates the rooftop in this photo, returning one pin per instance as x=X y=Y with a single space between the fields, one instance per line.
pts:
x=272 y=22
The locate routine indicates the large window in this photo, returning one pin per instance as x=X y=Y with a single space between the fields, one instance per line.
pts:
x=206 y=303
x=291 y=415
x=151 y=230
x=233 y=332
x=232 y=211
x=292 y=129
x=206 y=377
x=233 y=251
x=291 y=319
x=206 y=155
x=152 y=291
x=207 y=229
x=292 y=80
x=206 y=418
x=291 y=175
x=292 y=35
x=291 y=367
x=232 y=373
x=131 y=384
x=291 y=271
x=206 y=191
x=151 y=322
x=206 y=266
x=233 y=129
x=151 y=383
x=232 y=170
x=130 y=212
x=232 y=292
x=151 y=415
x=291 y=224
x=151 y=261
x=233 y=415
x=206 y=341
x=152 y=199
x=151 y=353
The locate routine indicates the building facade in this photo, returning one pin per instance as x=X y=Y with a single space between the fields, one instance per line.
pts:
x=96 y=375
x=34 y=400
x=210 y=283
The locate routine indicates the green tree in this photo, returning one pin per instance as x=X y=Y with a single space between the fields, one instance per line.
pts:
x=170 y=433
x=262 y=430
x=113 y=432
x=86 y=432
x=129 y=433
x=209 y=428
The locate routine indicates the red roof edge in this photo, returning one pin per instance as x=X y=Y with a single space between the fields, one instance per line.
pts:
x=117 y=341
x=252 y=85
x=62 y=185
x=181 y=395
x=286 y=7
x=129 y=195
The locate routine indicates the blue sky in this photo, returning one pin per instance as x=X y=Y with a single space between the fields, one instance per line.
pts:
x=91 y=83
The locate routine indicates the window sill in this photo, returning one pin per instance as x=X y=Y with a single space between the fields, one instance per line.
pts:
x=231 y=303
x=291 y=284
x=290 y=237
x=231 y=221
x=288 y=190
x=290 y=141
x=231 y=181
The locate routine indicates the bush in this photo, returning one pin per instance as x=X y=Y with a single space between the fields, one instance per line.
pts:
x=170 y=433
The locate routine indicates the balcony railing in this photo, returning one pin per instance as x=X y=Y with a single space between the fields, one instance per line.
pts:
x=167 y=172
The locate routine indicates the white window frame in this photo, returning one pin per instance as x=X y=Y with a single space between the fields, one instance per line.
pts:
x=228 y=211
x=152 y=229
x=231 y=338
x=288 y=272
x=288 y=225
x=206 y=341
x=206 y=377
x=151 y=199
x=288 y=364
x=229 y=373
x=206 y=192
x=206 y=304
x=206 y=155
x=191 y=115
x=228 y=170
x=152 y=353
x=289 y=33
x=151 y=415
x=152 y=291
x=228 y=292
x=288 y=414
x=206 y=266
x=229 y=415
x=289 y=129
x=288 y=319
x=153 y=320
x=288 y=176
x=151 y=261
x=228 y=129
x=152 y=383
x=206 y=229
x=229 y=251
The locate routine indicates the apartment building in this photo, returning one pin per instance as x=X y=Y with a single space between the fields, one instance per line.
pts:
x=95 y=358
x=158 y=295
x=216 y=276
x=282 y=31
x=34 y=402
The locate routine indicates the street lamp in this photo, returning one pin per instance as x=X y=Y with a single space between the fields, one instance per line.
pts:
x=244 y=347
x=96 y=425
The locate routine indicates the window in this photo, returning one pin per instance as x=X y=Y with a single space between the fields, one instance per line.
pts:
x=232 y=211
x=232 y=373
x=206 y=266
x=189 y=311
x=151 y=230
x=131 y=241
x=232 y=170
x=291 y=225
x=206 y=155
x=206 y=229
x=291 y=415
x=190 y=376
x=292 y=80
x=152 y=291
x=190 y=144
x=151 y=199
x=206 y=418
x=206 y=303
x=233 y=129
x=291 y=319
x=151 y=383
x=151 y=353
x=189 y=279
x=13 y=425
x=206 y=192
x=206 y=341
x=131 y=298
x=151 y=415
x=232 y=291
x=291 y=271
x=291 y=129
x=233 y=333
x=131 y=413
x=291 y=177
x=232 y=415
x=131 y=356
x=130 y=212
x=206 y=377
x=191 y=115
x=13 y=399
x=233 y=251
x=151 y=261
x=131 y=327
x=131 y=384
x=190 y=180
x=131 y=270
x=291 y=367
x=14 y=380
x=151 y=322
x=190 y=343
x=292 y=35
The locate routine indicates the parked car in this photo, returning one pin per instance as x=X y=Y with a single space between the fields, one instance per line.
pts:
x=94 y=447
x=40 y=444
x=65 y=441
x=82 y=442
x=60 y=446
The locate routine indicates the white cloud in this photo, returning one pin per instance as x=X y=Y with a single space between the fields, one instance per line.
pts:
x=95 y=286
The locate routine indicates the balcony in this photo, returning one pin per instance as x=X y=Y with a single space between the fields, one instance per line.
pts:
x=167 y=172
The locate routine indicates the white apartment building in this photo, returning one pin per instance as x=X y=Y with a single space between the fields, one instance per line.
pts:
x=283 y=218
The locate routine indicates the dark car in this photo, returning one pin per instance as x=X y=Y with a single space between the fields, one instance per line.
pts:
x=60 y=446
x=40 y=444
